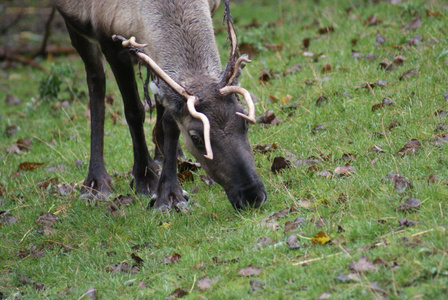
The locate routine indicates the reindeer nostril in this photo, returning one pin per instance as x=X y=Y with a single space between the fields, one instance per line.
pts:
x=248 y=197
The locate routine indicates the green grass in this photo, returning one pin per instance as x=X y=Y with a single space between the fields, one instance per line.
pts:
x=213 y=233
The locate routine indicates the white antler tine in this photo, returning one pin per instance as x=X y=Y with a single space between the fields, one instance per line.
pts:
x=250 y=104
x=191 y=102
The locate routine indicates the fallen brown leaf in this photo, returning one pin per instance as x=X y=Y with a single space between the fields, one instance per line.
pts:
x=411 y=147
x=279 y=164
x=406 y=222
x=10 y=99
x=249 y=271
x=440 y=139
x=400 y=182
x=178 y=293
x=325 y=173
x=363 y=265
x=256 y=285
x=266 y=147
x=6 y=218
x=344 y=170
x=263 y=242
x=394 y=124
x=171 y=259
x=414 y=23
x=372 y=20
x=326 y=30
x=293 y=242
x=29 y=166
x=269 y=118
x=409 y=205
x=13 y=149
x=372 y=85
x=24 y=144
x=348 y=277
x=321 y=100
x=408 y=74
x=380 y=39
x=11 y=130
x=274 y=47
x=90 y=293
x=206 y=282
x=46 y=183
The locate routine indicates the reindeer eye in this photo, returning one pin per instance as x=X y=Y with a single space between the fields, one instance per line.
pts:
x=195 y=138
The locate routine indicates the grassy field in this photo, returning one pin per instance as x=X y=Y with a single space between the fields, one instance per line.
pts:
x=359 y=91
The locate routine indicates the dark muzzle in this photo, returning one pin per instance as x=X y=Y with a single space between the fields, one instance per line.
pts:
x=246 y=196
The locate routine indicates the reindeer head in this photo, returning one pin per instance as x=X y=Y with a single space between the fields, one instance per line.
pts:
x=213 y=122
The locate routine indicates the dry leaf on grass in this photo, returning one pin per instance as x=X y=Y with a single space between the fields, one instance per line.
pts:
x=249 y=271
x=321 y=238
x=414 y=23
x=178 y=293
x=440 y=139
x=372 y=20
x=6 y=218
x=171 y=259
x=10 y=99
x=344 y=170
x=13 y=149
x=266 y=147
x=325 y=30
x=256 y=285
x=279 y=164
x=269 y=118
x=263 y=242
x=123 y=267
x=411 y=147
x=269 y=223
x=293 y=242
x=325 y=173
x=29 y=166
x=206 y=282
x=409 y=205
x=406 y=222
x=384 y=103
x=408 y=74
x=90 y=293
x=371 y=85
x=24 y=143
x=348 y=277
x=363 y=265
x=400 y=182
x=324 y=296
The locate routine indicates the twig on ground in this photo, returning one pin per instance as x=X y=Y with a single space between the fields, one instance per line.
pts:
x=23 y=60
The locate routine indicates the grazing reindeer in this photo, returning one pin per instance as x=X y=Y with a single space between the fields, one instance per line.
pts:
x=194 y=96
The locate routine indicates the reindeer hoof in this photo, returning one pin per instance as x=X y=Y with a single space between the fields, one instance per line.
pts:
x=179 y=204
x=91 y=190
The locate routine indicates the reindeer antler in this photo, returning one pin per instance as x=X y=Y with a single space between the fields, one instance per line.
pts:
x=241 y=59
x=250 y=104
x=232 y=68
x=229 y=70
x=191 y=99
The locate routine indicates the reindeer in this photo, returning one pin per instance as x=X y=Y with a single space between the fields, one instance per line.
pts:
x=194 y=96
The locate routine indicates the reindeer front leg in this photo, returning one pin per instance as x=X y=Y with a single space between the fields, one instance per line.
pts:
x=144 y=169
x=98 y=183
x=169 y=193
